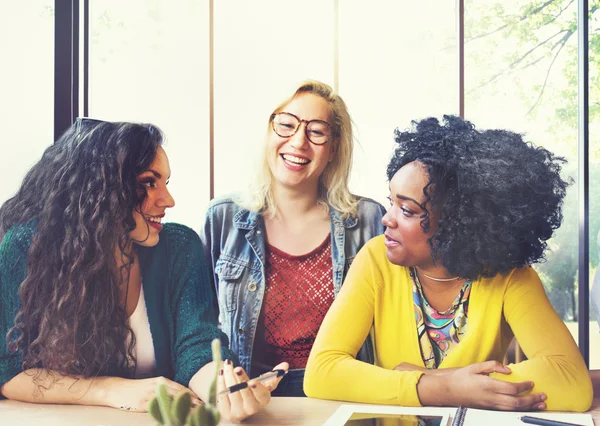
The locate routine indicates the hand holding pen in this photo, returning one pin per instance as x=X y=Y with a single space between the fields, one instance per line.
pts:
x=236 y=398
x=266 y=377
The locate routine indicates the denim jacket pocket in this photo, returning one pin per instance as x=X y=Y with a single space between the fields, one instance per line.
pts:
x=229 y=273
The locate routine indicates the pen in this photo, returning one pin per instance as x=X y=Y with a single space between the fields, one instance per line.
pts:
x=545 y=422
x=262 y=378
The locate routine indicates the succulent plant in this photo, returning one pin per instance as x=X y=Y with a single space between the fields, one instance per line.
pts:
x=178 y=411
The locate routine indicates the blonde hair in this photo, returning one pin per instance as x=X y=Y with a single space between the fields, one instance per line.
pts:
x=333 y=182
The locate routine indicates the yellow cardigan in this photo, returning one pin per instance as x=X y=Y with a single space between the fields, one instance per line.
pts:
x=378 y=293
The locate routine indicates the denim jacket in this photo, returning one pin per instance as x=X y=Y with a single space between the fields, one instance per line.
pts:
x=234 y=242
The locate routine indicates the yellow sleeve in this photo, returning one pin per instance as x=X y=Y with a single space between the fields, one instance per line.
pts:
x=332 y=372
x=554 y=362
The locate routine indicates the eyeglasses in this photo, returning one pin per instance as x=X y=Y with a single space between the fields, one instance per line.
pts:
x=286 y=125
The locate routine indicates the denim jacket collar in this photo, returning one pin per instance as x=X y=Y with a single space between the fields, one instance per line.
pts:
x=245 y=219
x=338 y=221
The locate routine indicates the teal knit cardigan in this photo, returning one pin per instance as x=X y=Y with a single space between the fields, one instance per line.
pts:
x=177 y=290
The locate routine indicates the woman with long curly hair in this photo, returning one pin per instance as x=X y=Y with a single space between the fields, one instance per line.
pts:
x=99 y=299
x=450 y=283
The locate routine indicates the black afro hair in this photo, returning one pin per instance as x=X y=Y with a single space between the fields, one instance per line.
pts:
x=499 y=197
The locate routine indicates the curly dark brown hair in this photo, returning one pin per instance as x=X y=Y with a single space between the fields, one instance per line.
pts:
x=80 y=197
x=500 y=198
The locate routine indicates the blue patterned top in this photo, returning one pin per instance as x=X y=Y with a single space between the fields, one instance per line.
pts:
x=439 y=332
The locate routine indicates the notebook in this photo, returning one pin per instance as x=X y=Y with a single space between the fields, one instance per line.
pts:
x=387 y=415
x=474 y=417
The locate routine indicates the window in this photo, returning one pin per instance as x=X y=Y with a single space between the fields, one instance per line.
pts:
x=400 y=66
x=27 y=87
x=392 y=62
x=149 y=62
x=594 y=81
x=263 y=51
x=529 y=85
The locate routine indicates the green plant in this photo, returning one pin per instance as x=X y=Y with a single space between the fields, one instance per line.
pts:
x=178 y=411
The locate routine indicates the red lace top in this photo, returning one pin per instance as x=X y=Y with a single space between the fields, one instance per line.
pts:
x=298 y=293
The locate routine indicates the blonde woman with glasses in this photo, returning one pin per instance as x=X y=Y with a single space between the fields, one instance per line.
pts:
x=279 y=253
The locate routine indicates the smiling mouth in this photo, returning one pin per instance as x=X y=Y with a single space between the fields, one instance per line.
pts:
x=154 y=219
x=299 y=161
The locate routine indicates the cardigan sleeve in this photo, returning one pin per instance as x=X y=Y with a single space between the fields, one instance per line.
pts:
x=13 y=269
x=554 y=363
x=332 y=371
x=195 y=321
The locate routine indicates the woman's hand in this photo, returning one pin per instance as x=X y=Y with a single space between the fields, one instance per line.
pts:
x=135 y=394
x=471 y=386
x=242 y=404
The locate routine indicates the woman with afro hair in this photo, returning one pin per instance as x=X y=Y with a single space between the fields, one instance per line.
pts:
x=444 y=291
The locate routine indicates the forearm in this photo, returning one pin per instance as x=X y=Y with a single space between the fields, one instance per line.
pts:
x=200 y=382
x=334 y=376
x=434 y=390
x=566 y=384
x=46 y=387
x=554 y=363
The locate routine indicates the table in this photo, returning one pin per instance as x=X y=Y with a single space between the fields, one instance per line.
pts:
x=280 y=412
